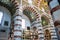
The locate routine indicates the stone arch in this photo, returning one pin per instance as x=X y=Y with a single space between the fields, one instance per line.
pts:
x=36 y=14
x=2 y=7
x=32 y=9
x=45 y=18
x=5 y=12
x=6 y=21
x=46 y=14
x=15 y=3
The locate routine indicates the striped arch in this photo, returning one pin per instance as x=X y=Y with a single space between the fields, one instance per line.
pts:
x=36 y=23
x=6 y=13
x=46 y=16
x=32 y=9
x=49 y=19
x=15 y=3
x=51 y=27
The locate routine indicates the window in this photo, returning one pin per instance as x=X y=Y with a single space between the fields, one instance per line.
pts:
x=6 y=23
x=23 y=23
x=1 y=15
x=28 y=28
x=2 y=30
x=59 y=1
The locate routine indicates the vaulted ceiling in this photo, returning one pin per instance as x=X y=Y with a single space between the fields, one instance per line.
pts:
x=38 y=3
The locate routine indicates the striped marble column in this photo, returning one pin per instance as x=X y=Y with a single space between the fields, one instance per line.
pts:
x=17 y=21
x=17 y=26
x=37 y=23
x=53 y=31
x=55 y=11
x=40 y=29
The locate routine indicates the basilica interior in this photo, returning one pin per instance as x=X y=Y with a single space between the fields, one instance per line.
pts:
x=29 y=19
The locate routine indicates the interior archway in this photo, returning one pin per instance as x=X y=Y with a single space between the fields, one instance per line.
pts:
x=32 y=17
x=45 y=20
x=5 y=23
x=27 y=21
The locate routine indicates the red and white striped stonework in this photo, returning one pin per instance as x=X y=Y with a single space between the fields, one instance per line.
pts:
x=55 y=11
x=17 y=18
x=17 y=27
x=18 y=21
x=37 y=22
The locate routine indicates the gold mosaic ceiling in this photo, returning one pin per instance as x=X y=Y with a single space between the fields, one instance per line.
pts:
x=38 y=3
